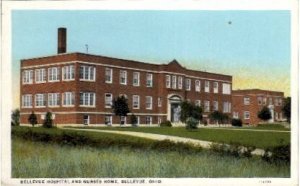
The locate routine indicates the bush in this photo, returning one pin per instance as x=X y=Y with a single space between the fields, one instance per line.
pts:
x=32 y=119
x=15 y=117
x=48 y=122
x=133 y=120
x=232 y=149
x=264 y=114
x=192 y=123
x=166 y=124
x=236 y=122
x=277 y=155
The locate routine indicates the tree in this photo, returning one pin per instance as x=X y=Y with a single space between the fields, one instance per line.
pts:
x=190 y=110
x=286 y=109
x=120 y=107
x=217 y=116
x=32 y=119
x=15 y=117
x=48 y=122
x=264 y=114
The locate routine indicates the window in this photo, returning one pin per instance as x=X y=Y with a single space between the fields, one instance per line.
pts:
x=108 y=100
x=246 y=101
x=27 y=76
x=276 y=115
x=216 y=87
x=108 y=75
x=270 y=101
x=159 y=101
x=53 y=74
x=108 y=120
x=158 y=120
x=206 y=106
x=149 y=120
x=236 y=115
x=168 y=81
x=276 y=101
x=87 y=73
x=68 y=72
x=215 y=106
x=226 y=88
x=149 y=80
x=226 y=107
x=68 y=99
x=27 y=100
x=187 y=84
x=174 y=82
x=246 y=115
x=135 y=102
x=206 y=86
x=259 y=100
x=137 y=120
x=40 y=75
x=149 y=102
x=123 y=120
x=40 y=100
x=264 y=101
x=87 y=99
x=197 y=86
x=53 y=99
x=198 y=103
x=123 y=77
x=279 y=101
x=179 y=82
x=136 y=79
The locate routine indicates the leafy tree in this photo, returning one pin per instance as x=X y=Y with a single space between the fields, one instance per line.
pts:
x=264 y=114
x=190 y=110
x=133 y=120
x=48 y=122
x=191 y=123
x=15 y=117
x=286 y=109
x=120 y=107
x=32 y=119
x=219 y=117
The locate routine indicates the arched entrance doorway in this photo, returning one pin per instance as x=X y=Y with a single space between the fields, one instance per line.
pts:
x=174 y=108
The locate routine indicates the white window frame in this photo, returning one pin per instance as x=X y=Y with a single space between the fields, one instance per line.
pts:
x=109 y=117
x=124 y=118
x=53 y=74
x=168 y=81
x=180 y=80
x=279 y=101
x=27 y=101
x=87 y=73
x=216 y=87
x=264 y=100
x=68 y=99
x=188 y=84
x=135 y=102
x=27 y=77
x=150 y=120
x=149 y=80
x=226 y=107
x=68 y=73
x=235 y=115
x=206 y=106
x=246 y=113
x=108 y=74
x=174 y=82
x=149 y=102
x=270 y=101
x=40 y=100
x=259 y=100
x=40 y=75
x=198 y=103
x=159 y=101
x=108 y=103
x=87 y=99
x=136 y=76
x=215 y=106
x=53 y=99
x=197 y=85
x=123 y=76
x=207 y=86
x=226 y=88
x=246 y=100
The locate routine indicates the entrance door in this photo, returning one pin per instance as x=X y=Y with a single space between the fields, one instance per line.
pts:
x=175 y=112
x=86 y=119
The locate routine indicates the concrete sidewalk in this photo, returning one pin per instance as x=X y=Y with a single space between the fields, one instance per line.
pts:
x=160 y=137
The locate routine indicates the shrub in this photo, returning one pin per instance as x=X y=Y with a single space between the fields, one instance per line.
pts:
x=192 y=123
x=48 y=122
x=32 y=119
x=264 y=114
x=277 y=155
x=232 y=149
x=166 y=124
x=15 y=117
x=236 y=122
x=133 y=120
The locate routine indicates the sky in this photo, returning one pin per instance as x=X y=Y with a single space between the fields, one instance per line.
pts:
x=252 y=46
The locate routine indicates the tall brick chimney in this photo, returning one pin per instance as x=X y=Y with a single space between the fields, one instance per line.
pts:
x=62 y=40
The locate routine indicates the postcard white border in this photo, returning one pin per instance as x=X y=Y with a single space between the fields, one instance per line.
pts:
x=6 y=81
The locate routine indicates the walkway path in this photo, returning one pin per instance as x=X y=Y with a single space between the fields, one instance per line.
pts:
x=256 y=130
x=160 y=137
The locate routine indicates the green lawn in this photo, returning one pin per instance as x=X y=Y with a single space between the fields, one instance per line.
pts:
x=47 y=160
x=260 y=139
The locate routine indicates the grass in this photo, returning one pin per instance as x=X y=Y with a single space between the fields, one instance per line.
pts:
x=44 y=160
x=260 y=139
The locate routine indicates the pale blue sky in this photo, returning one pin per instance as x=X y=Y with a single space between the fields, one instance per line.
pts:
x=254 y=48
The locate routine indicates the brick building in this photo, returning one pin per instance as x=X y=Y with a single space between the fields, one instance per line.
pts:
x=247 y=103
x=79 y=88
